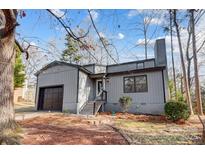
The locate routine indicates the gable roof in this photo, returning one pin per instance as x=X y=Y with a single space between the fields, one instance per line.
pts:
x=55 y=63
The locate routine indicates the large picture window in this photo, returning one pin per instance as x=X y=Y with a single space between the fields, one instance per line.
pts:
x=133 y=84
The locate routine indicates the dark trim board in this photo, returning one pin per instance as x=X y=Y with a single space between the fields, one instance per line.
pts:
x=37 y=93
x=138 y=61
x=40 y=104
x=163 y=86
x=145 y=70
x=77 y=85
x=55 y=63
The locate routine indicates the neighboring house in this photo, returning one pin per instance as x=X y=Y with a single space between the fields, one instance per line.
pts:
x=88 y=88
x=25 y=93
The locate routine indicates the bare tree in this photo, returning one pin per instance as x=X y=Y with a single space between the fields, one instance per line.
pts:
x=172 y=53
x=143 y=27
x=196 y=73
x=187 y=89
x=102 y=40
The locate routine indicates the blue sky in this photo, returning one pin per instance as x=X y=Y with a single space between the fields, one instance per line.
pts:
x=118 y=26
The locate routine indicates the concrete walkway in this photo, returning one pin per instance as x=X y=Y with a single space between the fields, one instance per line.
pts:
x=28 y=115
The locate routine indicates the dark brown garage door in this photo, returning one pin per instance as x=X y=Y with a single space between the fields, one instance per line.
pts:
x=51 y=98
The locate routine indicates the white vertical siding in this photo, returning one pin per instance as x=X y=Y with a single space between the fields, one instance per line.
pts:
x=61 y=75
x=85 y=89
x=100 y=69
x=145 y=102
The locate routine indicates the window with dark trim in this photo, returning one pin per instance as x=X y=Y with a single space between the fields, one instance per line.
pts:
x=134 y=84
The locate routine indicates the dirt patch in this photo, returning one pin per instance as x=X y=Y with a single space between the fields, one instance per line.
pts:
x=60 y=129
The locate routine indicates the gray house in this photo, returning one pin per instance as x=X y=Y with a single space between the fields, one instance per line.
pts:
x=89 y=88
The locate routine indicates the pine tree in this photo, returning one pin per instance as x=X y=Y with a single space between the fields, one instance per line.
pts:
x=19 y=68
x=70 y=54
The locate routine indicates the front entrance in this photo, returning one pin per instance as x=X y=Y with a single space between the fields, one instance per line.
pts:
x=51 y=98
x=99 y=86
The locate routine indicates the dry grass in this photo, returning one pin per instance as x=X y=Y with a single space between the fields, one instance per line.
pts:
x=10 y=136
x=148 y=130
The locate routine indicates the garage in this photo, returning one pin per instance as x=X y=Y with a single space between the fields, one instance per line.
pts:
x=51 y=98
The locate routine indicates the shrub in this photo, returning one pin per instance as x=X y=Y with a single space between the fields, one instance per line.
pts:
x=176 y=110
x=125 y=102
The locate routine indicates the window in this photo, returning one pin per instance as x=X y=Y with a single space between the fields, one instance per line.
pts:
x=141 y=83
x=129 y=86
x=135 y=84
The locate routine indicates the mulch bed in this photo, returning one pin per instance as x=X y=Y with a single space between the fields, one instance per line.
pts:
x=59 y=129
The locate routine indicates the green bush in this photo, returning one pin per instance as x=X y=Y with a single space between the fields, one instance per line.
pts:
x=125 y=102
x=176 y=110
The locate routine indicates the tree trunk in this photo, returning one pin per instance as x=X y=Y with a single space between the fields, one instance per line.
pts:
x=189 y=72
x=188 y=57
x=196 y=73
x=7 y=60
x=188 y=97
x=7 y=57
x=145 y=42
x=173 y=65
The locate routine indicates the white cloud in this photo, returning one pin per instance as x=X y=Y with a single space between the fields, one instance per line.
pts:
x=132 y=13
x=102 y=34
x=59 y=13
x=94 y=14
x=120 y=36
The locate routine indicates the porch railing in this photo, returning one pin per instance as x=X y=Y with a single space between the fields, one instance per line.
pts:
x=99 y=102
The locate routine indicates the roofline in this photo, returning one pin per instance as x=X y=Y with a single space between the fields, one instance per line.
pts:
x=54 y=63
x=93 y=64
x=137 y=61
x=152 y=69
x=82 y=67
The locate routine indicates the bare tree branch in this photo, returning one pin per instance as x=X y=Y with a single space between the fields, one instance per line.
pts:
x=71 y=34
x=101 y=38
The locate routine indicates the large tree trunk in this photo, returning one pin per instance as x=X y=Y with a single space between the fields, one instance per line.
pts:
x=187 y=91
x=7 y=59
x=196 y=73
x=172 y=53
x=188 y=57
x=145 y=41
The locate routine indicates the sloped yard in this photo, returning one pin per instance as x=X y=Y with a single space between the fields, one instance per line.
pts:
x=156 y=130
x=63 y=129
x=58 y=128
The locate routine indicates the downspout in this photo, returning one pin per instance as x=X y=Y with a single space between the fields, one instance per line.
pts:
x=36 y=94
x=163 y=86
x=77 y=91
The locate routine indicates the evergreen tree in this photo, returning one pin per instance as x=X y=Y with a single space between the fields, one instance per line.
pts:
x=19 y=68
x=70 y=54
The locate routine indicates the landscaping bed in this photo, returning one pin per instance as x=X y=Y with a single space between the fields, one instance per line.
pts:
x=108 y=128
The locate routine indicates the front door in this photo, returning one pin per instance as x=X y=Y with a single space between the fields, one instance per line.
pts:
x=99 y=86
